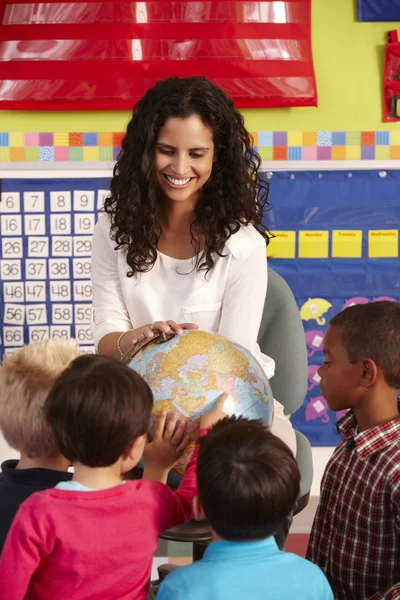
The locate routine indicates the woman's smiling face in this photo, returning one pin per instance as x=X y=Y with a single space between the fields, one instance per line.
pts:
x=183 y=157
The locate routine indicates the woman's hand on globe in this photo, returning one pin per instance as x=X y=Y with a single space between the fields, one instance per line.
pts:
x=147 y=331
x=169 y=442
x=210 y=418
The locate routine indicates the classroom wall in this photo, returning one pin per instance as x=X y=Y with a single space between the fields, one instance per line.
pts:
x=348 y=58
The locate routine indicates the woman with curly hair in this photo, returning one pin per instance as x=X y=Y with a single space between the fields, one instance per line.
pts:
x=182 y=244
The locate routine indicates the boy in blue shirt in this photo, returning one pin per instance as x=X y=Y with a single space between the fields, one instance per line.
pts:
x=248 y=482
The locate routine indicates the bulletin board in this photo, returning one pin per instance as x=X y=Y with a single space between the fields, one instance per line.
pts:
x=46 y=238
x=337 y=244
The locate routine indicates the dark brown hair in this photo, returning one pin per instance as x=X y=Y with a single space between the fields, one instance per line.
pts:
x=97 y=408
x=247 y=478
x=373 y=331
x=236 y=193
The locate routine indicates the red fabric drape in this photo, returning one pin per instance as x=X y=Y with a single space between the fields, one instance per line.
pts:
x=105 y=55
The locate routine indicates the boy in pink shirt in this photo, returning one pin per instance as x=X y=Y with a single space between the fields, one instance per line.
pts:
x=94 y=538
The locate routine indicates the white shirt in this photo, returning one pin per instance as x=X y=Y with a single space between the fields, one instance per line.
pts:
x=228 y=300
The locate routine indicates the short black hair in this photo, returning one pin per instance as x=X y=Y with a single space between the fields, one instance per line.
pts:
x=373 y=331
x=247 y=478
x=97 y=408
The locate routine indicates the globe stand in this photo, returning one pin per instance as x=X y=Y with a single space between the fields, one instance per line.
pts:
x=159 y=338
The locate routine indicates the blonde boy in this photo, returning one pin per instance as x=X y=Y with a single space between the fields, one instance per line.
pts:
x=26 y=377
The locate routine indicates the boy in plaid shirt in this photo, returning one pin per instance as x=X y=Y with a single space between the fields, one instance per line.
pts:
x=355 y=537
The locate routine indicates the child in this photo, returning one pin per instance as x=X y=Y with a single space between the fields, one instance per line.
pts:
x=355 y=537
x=25 y=380
x=248 y=482
x=94 y=537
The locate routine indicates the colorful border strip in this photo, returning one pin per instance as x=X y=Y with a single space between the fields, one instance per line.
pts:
x=272 y=145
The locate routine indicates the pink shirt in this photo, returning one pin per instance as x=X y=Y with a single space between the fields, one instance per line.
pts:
x=91 y=545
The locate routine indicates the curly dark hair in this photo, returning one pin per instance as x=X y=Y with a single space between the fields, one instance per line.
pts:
x=235 y=193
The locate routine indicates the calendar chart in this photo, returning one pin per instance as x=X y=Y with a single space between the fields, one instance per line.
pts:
x=46 y=228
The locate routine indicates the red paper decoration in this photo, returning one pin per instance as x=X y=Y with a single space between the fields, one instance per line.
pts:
x=105 y=55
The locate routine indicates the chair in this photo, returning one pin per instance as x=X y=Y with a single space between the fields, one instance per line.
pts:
x=281 y=336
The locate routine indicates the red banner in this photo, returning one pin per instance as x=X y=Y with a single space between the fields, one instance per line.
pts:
x=105 y=55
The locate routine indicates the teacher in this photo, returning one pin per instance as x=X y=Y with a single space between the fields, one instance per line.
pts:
x=182 y=244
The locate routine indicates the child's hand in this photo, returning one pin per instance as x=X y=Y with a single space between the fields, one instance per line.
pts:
x=168 y=444
x=210 y=418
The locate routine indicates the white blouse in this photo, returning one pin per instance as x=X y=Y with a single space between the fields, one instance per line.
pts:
x=228 y=300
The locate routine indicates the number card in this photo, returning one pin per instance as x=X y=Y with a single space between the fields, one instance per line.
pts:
x=10 y=202
x=84 y=223
x=84 y=201
x=60 y=291
x=62 y=314
x=60 y=202
x=13 y=336
x=61 y=246
x=38 y=333
x=58 y=268
x=12 y=247
x=36 y=314
x=11 y=225
x=82 y=290
x=33 y=202
x=62 y=332
x=83 y=334
x=82 y=245
x=35 y=291
x=13 y=292
x=35 y=269
x=38 y=246
x=35 y=224
x=14 y=314
x=82 y=267
x=60 y=224
x=10 y=270
x=83 y=313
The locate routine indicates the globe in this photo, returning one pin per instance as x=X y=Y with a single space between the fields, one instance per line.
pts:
x=188 y=374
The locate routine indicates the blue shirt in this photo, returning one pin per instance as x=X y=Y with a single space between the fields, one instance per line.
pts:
x=247 y=570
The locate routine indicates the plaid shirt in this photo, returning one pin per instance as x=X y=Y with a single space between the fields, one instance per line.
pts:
x=355 y=538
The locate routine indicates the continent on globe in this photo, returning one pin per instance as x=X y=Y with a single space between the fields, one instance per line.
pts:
x=188 y=373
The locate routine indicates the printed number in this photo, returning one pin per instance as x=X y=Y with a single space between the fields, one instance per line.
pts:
x=60 y=201
x=35 y=224
x=13 y=336
x=35 y=292
x=36 y=314
x=62 y=246
x=35 y=269
x=83 y=333
x=10 y=269
x=38 y=246
x=84 y=223
x=14 y=314
x=82 y=290
x=10 y=202
x=59 y=268
x=83 y=313
x=62 y=313
x=11 y=225
x=13 y=292
x=60 y=333
x=82 y=246
x=12 y=247
x=82 y=268
x=60 y=224
x=60 y=290
x=34 y=202
x=84 y=200
x=38 y=334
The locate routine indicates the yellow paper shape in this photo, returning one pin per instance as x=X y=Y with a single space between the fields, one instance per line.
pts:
x=313 y=244
x=283 y=245
x=383 y=243
x=346 y=243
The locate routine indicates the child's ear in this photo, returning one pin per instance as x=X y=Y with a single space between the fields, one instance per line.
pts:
x=198 y=510
x=370 y=372
x=135 y=450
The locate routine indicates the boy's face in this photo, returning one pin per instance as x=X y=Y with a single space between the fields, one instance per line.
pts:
x=340 y=379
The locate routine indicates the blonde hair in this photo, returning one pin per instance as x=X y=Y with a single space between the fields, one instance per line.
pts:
x=26 y=378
